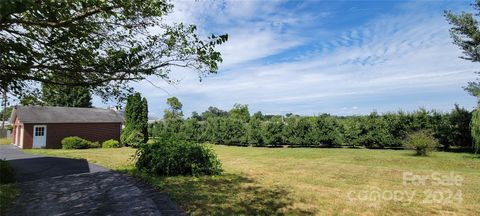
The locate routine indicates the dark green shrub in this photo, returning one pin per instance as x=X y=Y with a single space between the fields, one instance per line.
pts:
x=460 y=131
x=295 y=130
x=422 y=142
x=6 y=172
x=351 y=132
x=75 y=142
x=254 y=134
x=235 y=132
x=324 y=130
x=111 y=144
x=375 y=133
x=177 y=157
x=215 y=130
x=272 y=132
x=191 y=130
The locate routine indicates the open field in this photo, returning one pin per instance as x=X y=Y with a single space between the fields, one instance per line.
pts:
x=311 y=181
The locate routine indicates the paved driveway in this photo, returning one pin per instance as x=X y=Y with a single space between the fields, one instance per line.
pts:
x=62 y=186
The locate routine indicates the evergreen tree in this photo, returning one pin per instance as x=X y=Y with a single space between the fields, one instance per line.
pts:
x=66 y=96
x=254 y=135
x=272 y=132
x=191 y=130
x=136 y=119
x=475 y=128
x=465 y=33
x=144 y=120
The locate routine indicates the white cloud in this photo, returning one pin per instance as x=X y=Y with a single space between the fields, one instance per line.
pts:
x=392 y=54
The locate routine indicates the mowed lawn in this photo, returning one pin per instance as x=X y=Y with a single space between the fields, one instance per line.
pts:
x=311 y=181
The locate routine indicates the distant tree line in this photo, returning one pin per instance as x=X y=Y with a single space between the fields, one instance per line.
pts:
x=388 y=130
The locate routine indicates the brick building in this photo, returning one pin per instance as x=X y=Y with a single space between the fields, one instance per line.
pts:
x=45 y=127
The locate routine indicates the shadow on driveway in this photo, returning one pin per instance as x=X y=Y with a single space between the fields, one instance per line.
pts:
x=30 y=169
x=63 y=186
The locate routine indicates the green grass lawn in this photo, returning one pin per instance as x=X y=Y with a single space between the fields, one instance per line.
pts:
x=5 y=141
x=309 y=181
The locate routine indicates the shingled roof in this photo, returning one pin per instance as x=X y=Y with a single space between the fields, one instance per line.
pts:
x=45 y=114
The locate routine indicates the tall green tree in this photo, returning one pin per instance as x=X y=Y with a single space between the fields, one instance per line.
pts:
x=465 y=32
x=272 y=131
x=55 y=95
x=475 y=128
x=214 y=112
x=5 y=113
x=240 y=112
x=460 y=131
x=174 y=110
x=254 y=133
x=144 y=120
x=99 y=44
x=136 y=120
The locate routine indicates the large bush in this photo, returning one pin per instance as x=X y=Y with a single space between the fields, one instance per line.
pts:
x=75 y=142
x=254 y=134
x=215 y=130
x=375 y=132
x=111 y=144
x=7 y=174
x=177 y=157
x=422 y=142
x=191 y=130
x=272 y=132
x=295 y=129
x=235 y=132
x=324 y=130
x=351 y=131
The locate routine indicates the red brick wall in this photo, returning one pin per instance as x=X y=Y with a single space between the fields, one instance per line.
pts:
x=96 y=132
x=27 y=136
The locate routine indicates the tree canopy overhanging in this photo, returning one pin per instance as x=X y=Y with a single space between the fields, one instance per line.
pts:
x=465 y=32
x=98 y=44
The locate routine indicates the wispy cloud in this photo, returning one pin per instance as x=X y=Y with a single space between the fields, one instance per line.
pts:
x=276 y=67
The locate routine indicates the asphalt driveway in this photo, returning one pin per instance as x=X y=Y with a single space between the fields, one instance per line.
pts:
x=63 y=186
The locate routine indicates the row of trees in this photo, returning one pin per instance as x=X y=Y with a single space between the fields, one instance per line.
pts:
x=389 y=130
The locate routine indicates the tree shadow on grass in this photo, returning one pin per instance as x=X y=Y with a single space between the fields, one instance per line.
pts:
x=227 y=194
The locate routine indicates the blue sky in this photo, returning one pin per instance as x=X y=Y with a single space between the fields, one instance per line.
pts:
x=312 y=57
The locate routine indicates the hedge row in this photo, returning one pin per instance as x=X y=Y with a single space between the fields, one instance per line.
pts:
x=371 y=131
